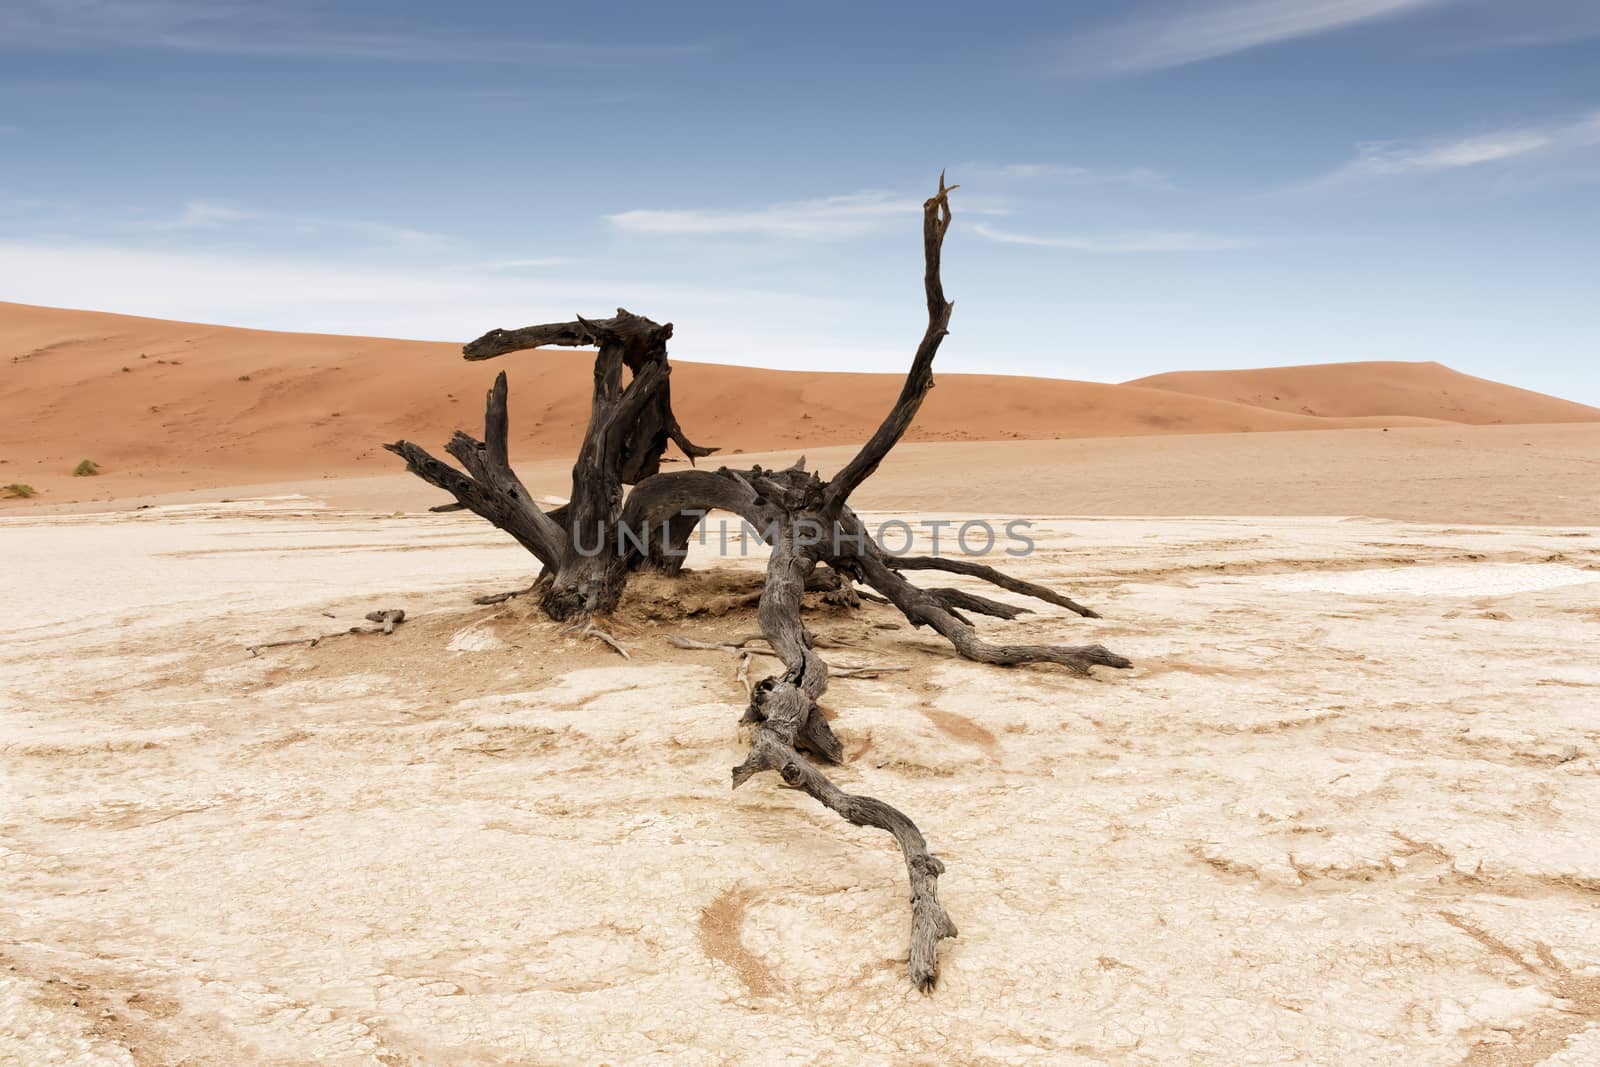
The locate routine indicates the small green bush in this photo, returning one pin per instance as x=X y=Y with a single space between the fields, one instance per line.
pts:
x=86 y=468
x=17 y=489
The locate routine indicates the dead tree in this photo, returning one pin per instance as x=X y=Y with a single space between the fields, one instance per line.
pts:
x=589 y=547
x=629 y=428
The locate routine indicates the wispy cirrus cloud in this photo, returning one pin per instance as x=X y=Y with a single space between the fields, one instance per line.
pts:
x=828 y=219
x=26 y=207
x=279 y=30
x=511 y=266
x=197 y=215
x=1388 y=159
x=379 y=232
x=219 y=26
x=214 y=214
x=1118 y=243
x=1196 y=32
x=1065 y=174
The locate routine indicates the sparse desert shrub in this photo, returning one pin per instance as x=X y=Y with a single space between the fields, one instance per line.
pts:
x=18 y=490
x=86 y=468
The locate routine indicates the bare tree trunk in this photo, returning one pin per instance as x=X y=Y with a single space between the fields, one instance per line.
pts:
x=629 y=428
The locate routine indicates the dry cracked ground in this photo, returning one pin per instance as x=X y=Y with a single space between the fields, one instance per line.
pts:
x=1345 y=808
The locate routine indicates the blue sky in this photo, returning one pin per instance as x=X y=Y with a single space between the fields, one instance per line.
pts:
x=1146 y=186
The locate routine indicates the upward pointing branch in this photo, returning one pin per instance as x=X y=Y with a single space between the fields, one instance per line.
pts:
x=935 y=221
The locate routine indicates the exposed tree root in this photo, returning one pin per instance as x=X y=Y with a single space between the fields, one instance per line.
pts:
x=589 y=629
x=988 y=574
x=737 y=648
x=500 y=598
x=387 y=619
x=789 y=716
x=745 y=653
x=743 y=676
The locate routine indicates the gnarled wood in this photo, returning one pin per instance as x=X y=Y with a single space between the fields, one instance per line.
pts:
x=490 y=487
x=592 y=543
x=935 y=222
x=988 y=574
x=789 y=711
x=594 y=333
x=630 y=425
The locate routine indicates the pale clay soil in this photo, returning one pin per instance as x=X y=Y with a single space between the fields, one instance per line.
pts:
x=1344 y=809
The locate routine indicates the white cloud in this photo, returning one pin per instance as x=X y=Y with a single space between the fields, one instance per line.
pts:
x=1381 y=159
x=498 y=266
x=719 y=324
x=1119 y=243
x=378 y=232
x=30 y=207
x=1198 y=32
x=198 y=215
x=245 y=28
x=1137 y=177
x=213 y=214
x=832 y=218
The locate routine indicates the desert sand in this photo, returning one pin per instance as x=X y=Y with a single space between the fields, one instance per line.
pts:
x=1425 y=390
x=1501 y=474
x=1343 y=809
x=166 y=406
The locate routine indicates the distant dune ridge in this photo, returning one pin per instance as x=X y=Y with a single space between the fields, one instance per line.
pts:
x=181 y=405
x=1344 y=390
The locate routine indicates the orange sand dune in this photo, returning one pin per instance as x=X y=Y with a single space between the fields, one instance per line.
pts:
x=166 y=405
x=1348 y=390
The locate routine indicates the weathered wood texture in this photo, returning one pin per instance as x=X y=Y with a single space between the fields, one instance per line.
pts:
x=589 y=546
x=629 y=428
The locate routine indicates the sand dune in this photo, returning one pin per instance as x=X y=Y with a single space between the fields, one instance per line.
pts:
x=1353 y=390
x=165 y=406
